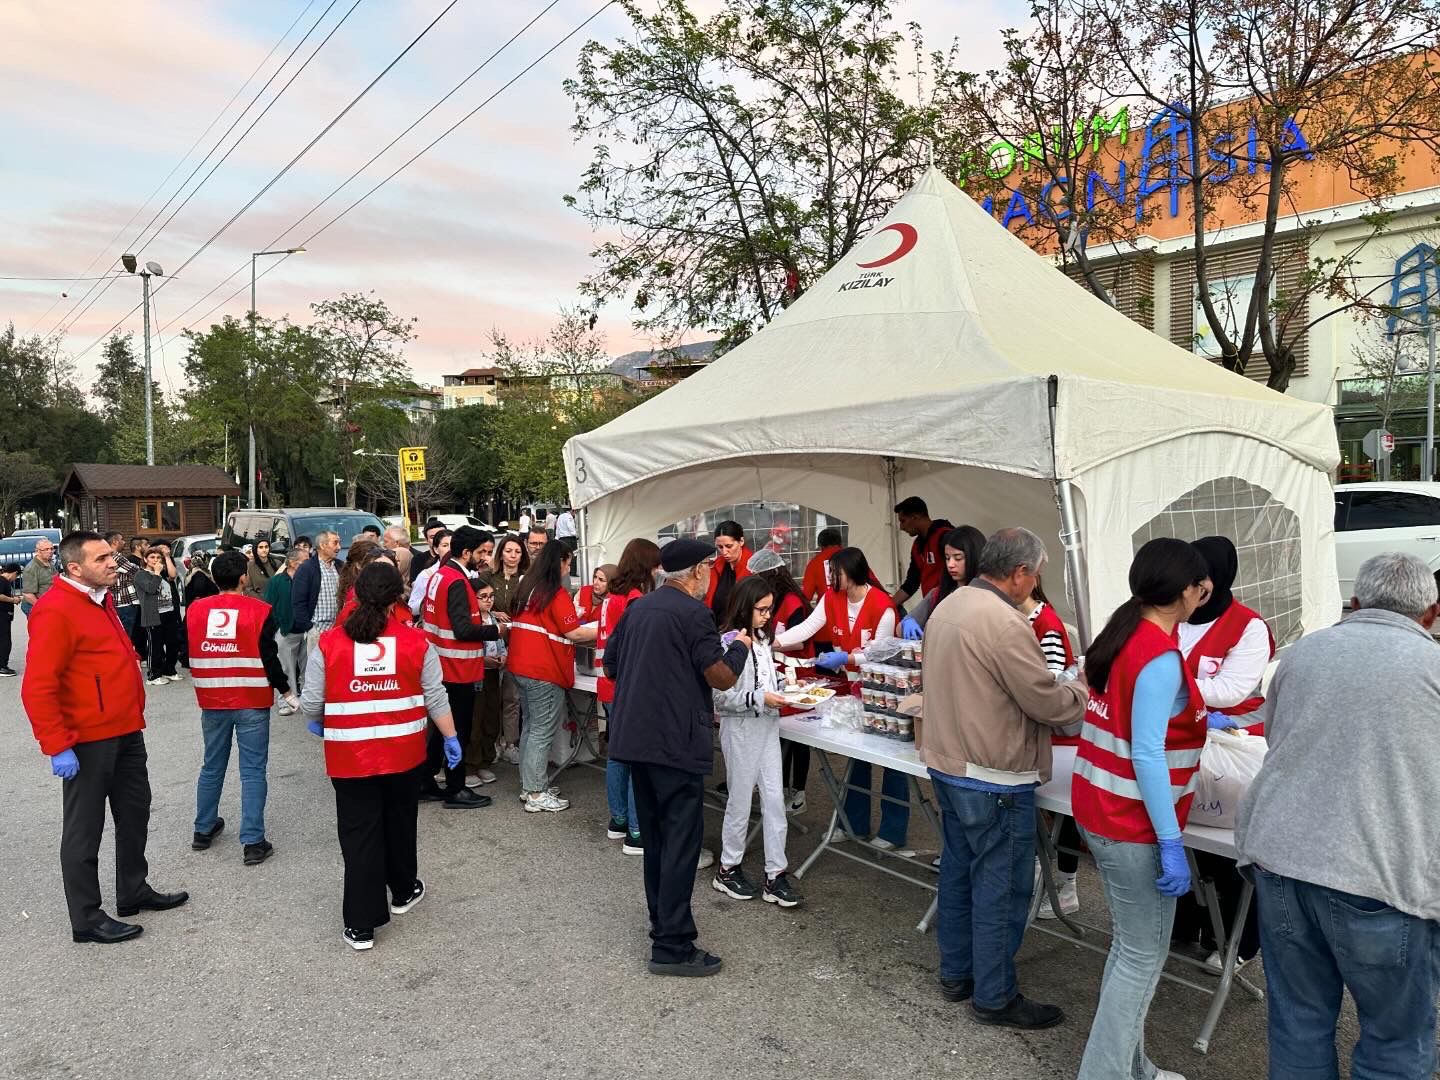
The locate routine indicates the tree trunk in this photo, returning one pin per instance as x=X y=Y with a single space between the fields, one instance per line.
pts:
x=1282 y=366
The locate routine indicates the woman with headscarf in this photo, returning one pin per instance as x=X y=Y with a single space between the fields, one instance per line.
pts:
x=1226 y=646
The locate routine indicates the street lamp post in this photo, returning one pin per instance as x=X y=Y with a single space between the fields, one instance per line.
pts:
x=335 y=482
x=253 y=348
x=131 y=263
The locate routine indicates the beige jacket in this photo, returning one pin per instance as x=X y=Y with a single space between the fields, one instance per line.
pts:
x=990 y=701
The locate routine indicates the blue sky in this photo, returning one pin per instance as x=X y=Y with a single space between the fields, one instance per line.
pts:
x=104 y=98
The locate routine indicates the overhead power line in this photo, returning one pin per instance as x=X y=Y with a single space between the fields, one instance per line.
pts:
x=71 y=316
x=280 y=238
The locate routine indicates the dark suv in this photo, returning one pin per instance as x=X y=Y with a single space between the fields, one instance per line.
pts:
x=280 y=527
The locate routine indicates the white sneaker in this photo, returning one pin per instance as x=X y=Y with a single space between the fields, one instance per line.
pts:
x=549 y=791
x=511 y=754
x=796 y=803
x=485 y=776
x=706 y=860
x=176 y=678
x=473 y=781
x=1215 y=963
x=159 y=680
x=1166 y=1074
x=838 y=835
x=285 y=710
x=1069 y=901
x=545 y=801
x=885 y=845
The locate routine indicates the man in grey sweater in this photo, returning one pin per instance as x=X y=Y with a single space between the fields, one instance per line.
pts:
x=1340 y=827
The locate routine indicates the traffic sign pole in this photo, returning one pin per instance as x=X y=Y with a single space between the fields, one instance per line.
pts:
x=404 y=502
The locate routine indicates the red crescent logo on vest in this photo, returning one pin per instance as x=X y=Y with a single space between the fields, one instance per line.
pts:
x=908 y=237
x=227 y=616
x=379 y=656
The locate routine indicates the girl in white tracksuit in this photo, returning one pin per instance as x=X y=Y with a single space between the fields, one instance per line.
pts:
x=750 y=740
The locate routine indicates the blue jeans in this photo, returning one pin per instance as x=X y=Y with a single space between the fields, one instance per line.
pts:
x=894 y=817
x=620 y=794
x=1141 y=918
x=1319 y=942
x=544 y=704
x=252 y=734
x=986 y=879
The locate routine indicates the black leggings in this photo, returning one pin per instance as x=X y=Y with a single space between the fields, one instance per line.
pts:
x=1065 y=861
x=794 y=764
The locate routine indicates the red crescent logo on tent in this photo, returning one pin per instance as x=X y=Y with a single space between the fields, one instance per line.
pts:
x=379 y=652
x=908 y=236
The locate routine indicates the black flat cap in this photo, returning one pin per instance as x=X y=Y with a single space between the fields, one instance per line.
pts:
x=683 y=554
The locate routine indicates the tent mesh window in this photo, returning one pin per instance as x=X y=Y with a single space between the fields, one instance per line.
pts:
x=787 y=528
x=1265 y=533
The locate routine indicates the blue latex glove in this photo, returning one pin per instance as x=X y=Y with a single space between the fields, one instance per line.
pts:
x=911 y=630
x=452 y=751
x=315 y=727
x=832 y=661
x=65 y=764
x=1174 y=879
x=1218 y=720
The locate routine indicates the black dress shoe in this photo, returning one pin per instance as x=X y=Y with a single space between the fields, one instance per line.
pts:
x=156 y=901
x=1020 y=1013
x=201 y=840
x=700 y=965
x=465 y=799
x=258 y=852
x=108 y=932
x=431 y=793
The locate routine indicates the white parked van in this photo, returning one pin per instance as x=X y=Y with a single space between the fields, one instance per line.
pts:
x=1385 y=516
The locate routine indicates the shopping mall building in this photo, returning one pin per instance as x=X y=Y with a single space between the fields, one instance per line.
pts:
x=1151 y=274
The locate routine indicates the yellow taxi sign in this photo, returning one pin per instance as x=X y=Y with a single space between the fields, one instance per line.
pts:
x=412 y=462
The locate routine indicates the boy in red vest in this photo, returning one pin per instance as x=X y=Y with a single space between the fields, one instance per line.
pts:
x=235 y=668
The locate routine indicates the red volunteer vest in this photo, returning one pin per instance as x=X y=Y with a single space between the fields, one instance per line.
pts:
x=742 y=571
x=223 y=634
x=850 y=637
x=1224 y=634
x=610 y=612
x=786 y=617
x=538 y=646
x=929 y=555
x=586 y=604
x=374 y=702
x=1104 y=795
x=460 y=661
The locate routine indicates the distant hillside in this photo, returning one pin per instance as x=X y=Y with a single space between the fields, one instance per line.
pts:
x=632 y=365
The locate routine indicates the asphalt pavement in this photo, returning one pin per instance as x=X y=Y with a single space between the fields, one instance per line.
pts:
x=526 y=957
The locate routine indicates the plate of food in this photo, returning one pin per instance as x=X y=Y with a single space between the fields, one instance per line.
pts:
x=808 y=697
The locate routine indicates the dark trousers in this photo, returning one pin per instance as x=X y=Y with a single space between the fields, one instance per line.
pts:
x=1065 y=861
x=480 y=750
x=669 y=804
x=165 y=644
x=462 y=711
x=115 y=770
x=7 y=621
x=375 y=817
x=139 y=636
x=1192 y=922
x=794 y=764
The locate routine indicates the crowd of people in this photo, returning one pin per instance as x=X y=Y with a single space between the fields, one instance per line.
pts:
x=423 y=669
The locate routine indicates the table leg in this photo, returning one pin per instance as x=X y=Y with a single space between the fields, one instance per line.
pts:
x=1047 y=840
x=582 y=731
x=837 y=796
x=1227 y=971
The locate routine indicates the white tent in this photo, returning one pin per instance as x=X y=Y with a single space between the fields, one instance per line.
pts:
x=943 y=358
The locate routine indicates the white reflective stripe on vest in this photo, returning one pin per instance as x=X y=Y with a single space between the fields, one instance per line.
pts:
x=540 y=630
x=441 y=632
x=477 y=653
x=379 y=731
x=1111 y=744
x=229 y=681
x=202 y=663
x=1182 y=759
x=1105 y=780
x=373 y=705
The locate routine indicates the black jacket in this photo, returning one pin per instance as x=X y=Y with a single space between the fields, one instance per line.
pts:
x=457 y=606
x=664 y=712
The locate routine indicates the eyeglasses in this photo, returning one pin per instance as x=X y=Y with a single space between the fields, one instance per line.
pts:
x=764 y=609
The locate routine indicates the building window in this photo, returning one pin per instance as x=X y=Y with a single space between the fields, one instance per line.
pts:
x=1231 y=297
x=147 y=517
x=158 y=516
x=170 y=516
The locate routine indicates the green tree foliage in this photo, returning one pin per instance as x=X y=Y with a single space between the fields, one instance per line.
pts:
x=471 y=439
x=21 y=477
x=552 y=389
x=740 y=157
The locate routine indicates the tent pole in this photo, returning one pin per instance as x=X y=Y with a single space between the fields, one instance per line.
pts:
x=890 y=471
x=582 y=554
x=1075 y=577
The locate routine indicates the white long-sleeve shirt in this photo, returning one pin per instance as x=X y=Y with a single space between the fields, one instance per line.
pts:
x=798 y=635
x=1226 y=681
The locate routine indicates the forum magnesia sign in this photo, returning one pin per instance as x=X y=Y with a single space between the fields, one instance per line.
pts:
x=1159 y=170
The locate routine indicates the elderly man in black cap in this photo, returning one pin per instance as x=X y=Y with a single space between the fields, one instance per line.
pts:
x=666 y=656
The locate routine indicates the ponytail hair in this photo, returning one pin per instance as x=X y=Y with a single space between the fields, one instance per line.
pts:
x=1160 y=573
x=377 y=590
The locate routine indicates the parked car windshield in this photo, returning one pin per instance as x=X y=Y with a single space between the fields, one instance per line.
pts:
x=348 y=525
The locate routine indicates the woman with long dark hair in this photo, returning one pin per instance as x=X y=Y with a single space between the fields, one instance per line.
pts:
x=508 y=566
x=853 y=613
x=1135 y=775
x=634 y=577
x=731 y=567
x=961 y=547
x=543 y=631
x=361 y=554
x=371 y=683
x=260 y=570
x=750 y=740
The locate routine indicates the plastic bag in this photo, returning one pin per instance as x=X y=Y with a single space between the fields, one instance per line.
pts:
x=1228 y=766
x=842 y=711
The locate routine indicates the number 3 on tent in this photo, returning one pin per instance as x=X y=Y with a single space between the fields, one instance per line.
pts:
x=580 y=471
